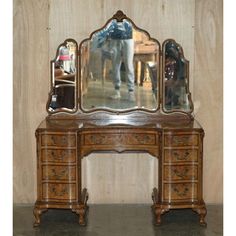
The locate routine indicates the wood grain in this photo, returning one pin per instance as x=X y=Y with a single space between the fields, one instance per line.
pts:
x=208 y=92
x=30 y=85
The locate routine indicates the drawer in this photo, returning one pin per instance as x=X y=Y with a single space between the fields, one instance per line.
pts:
x=180 y=191
x=179 y=155
x=181 y=140
x=60 y=140
x=58 y=155
x=121 y=139
x=61 y=192
x=58 y=173
x=176 y=172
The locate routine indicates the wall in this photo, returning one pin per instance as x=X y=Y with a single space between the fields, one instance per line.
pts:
x=40 y=27
x=30 y=88
x=208 y=91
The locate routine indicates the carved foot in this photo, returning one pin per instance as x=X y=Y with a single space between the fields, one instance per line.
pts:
x=157 y=207
x=202 y=211
x=158 y=216
x=80 y=211
x=37 y=213
x=158 y=210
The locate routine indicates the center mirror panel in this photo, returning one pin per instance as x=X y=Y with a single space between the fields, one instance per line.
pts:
x=120 y=69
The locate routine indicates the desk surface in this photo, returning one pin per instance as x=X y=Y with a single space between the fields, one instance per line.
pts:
x=77 y=124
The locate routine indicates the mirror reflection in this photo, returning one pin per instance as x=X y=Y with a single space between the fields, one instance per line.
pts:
x=176 y=93
x=120 y=68
x=63 y=70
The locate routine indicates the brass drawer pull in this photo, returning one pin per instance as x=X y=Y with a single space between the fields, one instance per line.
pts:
x=56 y=140
x=180 y=140
x=60 y=174
x=179 y=157
x=59 y=193
x=183 y=193
x=58 y=157
x=181 y=174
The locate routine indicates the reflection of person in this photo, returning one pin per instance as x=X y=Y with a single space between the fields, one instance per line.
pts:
x=120 y=36
x=66 y=60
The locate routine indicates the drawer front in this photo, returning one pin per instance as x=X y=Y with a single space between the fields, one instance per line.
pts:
x=60 y=140
x=59 y=156
x=185 y=172
x=121 y=139
x=181 y=140
x=178 y=155
x=61 y=192
x=180 y=191
x=59 y=173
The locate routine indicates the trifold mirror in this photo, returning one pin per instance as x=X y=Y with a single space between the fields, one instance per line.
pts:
x=119 y=68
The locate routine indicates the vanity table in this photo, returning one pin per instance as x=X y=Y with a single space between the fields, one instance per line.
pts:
x=162 y=125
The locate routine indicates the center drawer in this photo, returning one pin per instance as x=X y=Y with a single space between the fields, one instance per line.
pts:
x=120 y=139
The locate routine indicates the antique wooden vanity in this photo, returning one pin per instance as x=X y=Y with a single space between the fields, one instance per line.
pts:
x=85 y=118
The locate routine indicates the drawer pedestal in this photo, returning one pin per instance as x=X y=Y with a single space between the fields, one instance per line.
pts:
x=60 y=152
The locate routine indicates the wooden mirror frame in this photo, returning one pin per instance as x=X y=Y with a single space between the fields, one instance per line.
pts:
x=63 y=109
x=120 y=16
x=188 y=93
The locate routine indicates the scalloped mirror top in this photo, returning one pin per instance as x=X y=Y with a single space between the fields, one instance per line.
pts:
x=120 y=69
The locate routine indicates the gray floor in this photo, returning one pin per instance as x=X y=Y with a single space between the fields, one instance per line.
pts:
x=99 y=96
x=118 y=220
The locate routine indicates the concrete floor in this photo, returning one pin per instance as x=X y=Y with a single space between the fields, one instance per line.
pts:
x=118 y=220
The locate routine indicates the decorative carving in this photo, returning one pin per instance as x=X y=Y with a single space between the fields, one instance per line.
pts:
x=81 y=209
x=202 y=211
x=37 y=213
x=119 y=16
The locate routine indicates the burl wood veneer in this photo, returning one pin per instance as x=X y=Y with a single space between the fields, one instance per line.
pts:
x=61 y=145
